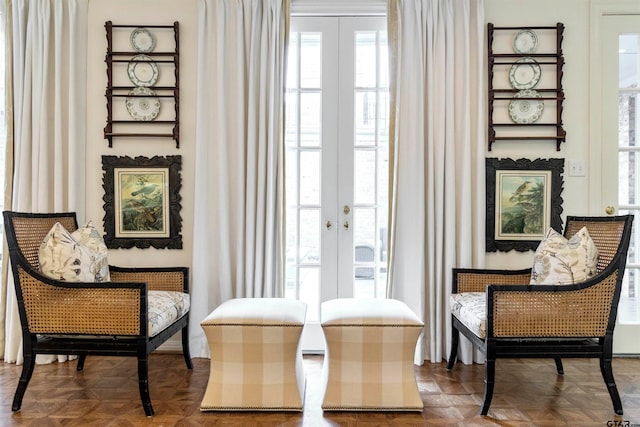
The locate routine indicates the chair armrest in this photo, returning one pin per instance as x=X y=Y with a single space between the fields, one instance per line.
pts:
x=158 y=278
x=551 y=311
x=477 y=280
x=57 y=307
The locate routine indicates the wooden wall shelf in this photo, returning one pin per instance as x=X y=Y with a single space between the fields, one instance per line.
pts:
x=511 y=115
x=120 y=121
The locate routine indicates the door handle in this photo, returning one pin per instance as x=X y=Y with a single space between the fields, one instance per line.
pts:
x=609 y=210
x=346 y=225
x=328 y=225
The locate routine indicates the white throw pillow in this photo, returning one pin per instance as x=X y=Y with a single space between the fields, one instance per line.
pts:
x=80 y=256
x=559 y=261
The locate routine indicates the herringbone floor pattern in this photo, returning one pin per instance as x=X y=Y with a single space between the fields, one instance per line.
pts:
x=528 y=393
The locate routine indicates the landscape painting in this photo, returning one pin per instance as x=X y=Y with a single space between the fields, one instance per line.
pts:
x=524 y=200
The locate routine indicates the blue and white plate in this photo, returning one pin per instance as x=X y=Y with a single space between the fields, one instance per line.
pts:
x=142 y=71
x=142 y=40
x=525 y=41
x=143 y=104
x=527 y=110
x=524 y=74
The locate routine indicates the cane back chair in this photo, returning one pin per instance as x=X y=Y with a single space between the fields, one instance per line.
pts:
x=550 y=321
x=74 y=318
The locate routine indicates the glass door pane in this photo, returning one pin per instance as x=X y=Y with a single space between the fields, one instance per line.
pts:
x=336 y=163
x=370 y=162
x=628 y=167
x=303 y=170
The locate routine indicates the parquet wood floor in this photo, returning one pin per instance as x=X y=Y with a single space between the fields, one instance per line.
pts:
x=527 y=393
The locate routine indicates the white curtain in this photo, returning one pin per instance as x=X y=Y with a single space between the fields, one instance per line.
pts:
x=438 y=109
x=238 y=172
x=49 y=46
x=7 y=124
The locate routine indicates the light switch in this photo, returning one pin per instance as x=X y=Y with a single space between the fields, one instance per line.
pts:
x=576 y=168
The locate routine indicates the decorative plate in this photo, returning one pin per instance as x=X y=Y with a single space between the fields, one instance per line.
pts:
x=526 y=111
x=525 y=41
x=142 y=71
x=142 y=40
x=524 y=74
x=143 y=108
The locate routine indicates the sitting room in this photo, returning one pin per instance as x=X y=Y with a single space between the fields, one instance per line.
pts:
x=319 y=212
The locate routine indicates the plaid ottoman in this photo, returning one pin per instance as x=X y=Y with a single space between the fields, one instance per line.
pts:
x=368 y=362
x=256 y=363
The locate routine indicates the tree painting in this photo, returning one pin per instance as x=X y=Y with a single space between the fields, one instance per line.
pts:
x=522 y=204
x=524 y=198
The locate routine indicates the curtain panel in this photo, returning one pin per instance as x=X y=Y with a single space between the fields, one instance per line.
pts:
x=5 y=30
x=239 y=168
x=437 y=141
x=49 y=45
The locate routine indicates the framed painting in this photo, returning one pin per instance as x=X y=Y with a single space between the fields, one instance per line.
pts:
x=523 y=201
x=142 y=202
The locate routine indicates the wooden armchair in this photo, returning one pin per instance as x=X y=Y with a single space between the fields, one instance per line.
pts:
x=73 y=318
x=550 y=321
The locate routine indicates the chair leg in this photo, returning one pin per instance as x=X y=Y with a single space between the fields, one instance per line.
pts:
x=559 y=366
x=607 y=374
x=453 y=355
x=489 y=381
x=143 y=384
x=185 y=347
x=81 y=360
x=27 y=371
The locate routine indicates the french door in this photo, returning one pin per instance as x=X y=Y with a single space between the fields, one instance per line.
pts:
x=336 y=163
x=620 y=167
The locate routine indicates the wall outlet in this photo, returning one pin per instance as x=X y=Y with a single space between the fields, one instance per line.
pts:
x=577 y=168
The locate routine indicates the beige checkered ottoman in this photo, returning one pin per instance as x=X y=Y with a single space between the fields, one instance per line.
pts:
x=368 y=362
x=256 y=363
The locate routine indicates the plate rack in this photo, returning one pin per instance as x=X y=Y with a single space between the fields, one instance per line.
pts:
x=122 y=94
x=535 y=113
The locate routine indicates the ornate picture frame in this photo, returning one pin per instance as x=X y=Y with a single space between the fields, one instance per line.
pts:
x=523 y=201
x=142 y=202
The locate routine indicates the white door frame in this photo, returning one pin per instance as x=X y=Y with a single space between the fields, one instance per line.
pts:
x=600 y=9
x=625 y=341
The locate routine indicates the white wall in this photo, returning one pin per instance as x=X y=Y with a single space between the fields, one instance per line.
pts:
x=141 y=13
x=573 y=13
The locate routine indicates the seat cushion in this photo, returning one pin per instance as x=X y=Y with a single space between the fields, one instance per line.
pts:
x=80 y=256
x=258 y=311
x=367 y=311
x=562 y=261
x=470 y=308
x=165 y=307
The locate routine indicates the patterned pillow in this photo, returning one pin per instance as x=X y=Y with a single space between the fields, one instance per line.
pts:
x=80 y=256
x=559 y=261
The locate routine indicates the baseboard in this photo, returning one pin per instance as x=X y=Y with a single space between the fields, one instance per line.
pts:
x=172 y=345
